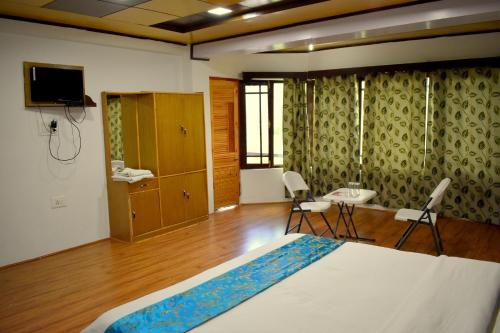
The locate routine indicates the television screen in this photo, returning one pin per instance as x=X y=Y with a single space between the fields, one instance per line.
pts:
x=56 y=85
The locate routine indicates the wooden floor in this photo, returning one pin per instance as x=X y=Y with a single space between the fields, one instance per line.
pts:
x=67 y=291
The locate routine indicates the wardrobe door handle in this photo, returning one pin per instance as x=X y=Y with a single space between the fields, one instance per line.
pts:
x=184 y=193
x=188 y=194
x=133 y=215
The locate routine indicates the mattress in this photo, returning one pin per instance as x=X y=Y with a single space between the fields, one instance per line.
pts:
x=356 y=288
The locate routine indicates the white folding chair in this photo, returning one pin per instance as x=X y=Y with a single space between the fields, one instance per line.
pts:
x=294 y=182
x=424 y=216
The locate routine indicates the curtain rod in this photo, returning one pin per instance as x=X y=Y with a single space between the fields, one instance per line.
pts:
x=362 y=71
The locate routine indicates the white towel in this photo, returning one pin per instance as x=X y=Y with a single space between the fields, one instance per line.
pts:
x=128 y=172
x=119 y=164
x=130 y=180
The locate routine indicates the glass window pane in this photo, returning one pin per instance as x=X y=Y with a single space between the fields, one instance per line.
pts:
x=252 y=125
x=265 y=160
x=253 y=160
x=263 y=88
x=265 y=124
x=278 y=123
x=252 y=88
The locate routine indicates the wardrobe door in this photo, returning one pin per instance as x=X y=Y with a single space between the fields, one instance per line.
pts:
x=196 y=195
x=173 y=197
x=170 y=133
x=145 y=211
x=194 y=134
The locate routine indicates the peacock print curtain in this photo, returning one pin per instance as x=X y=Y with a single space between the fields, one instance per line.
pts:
x=464 y=141
x=394 y=138
x=296 y=141
x=335 y=148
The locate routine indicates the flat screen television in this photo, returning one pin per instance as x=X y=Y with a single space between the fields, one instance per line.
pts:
x=53 y=85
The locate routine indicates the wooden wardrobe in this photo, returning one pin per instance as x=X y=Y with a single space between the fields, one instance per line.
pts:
x=164 y=133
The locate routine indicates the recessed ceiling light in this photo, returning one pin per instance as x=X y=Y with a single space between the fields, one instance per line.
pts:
x=311 y=47
x=220 y=11
x=249 y=16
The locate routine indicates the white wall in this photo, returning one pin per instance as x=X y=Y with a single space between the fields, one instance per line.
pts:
x=29 y=178
x=262 y=185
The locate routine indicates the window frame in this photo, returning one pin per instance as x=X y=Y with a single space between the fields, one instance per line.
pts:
x=270 y=115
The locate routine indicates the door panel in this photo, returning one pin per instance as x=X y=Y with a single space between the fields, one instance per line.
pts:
x=196 y=197
x=169 y=113
x=173 y=199
x=225 y=140
x=194 y=143
x=226 y=184
x=145 y=210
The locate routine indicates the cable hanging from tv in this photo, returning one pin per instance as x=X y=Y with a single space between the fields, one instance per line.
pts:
x=74 y=122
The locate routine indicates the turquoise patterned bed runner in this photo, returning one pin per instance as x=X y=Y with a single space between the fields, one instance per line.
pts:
x=189 y=309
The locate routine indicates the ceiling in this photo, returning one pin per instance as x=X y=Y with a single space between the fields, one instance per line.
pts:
x=189 y=22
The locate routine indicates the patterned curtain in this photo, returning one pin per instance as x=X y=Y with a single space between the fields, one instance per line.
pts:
x=296 y=144
x=464 y=141
x=335 y=151
x=394 y=138
x=115 y=128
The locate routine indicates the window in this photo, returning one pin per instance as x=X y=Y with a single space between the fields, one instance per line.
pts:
x=262 y=124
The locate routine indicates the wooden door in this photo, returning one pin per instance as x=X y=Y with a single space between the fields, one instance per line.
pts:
x=196 y=195
x=194 y=133
x=173 y=199
x=145 y=211
x=224 y=104
x=169 y=118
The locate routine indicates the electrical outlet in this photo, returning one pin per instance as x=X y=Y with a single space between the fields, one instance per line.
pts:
x=58 y=202
x=44 y=128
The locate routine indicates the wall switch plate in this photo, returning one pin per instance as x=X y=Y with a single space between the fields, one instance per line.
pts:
x=58 y=202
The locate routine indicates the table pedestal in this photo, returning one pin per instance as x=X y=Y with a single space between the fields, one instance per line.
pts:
x=348 y=223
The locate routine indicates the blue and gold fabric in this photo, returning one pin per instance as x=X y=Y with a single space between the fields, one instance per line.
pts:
x=187 y=310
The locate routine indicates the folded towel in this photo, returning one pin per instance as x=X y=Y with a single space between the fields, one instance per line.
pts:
x=128 y=172
x=130 y=180
x=119 y=164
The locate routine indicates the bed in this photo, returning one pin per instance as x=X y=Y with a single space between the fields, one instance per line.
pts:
x=354 y=288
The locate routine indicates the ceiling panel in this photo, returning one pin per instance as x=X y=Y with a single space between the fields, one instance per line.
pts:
x=128 y=3
x=94 y=8
x=223 y=2
x=316 y=11
x=37 y=3
x=88 y=22
x=116 y=16
x=177 y=8
x=140 y=16
x=427 y=33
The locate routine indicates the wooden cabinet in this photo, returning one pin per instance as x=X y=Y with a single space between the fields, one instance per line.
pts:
x=145 y=212
x=181 y=133
x=186 y=197
x=164 y=133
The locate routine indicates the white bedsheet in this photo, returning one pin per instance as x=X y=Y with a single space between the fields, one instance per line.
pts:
x=356 y=288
